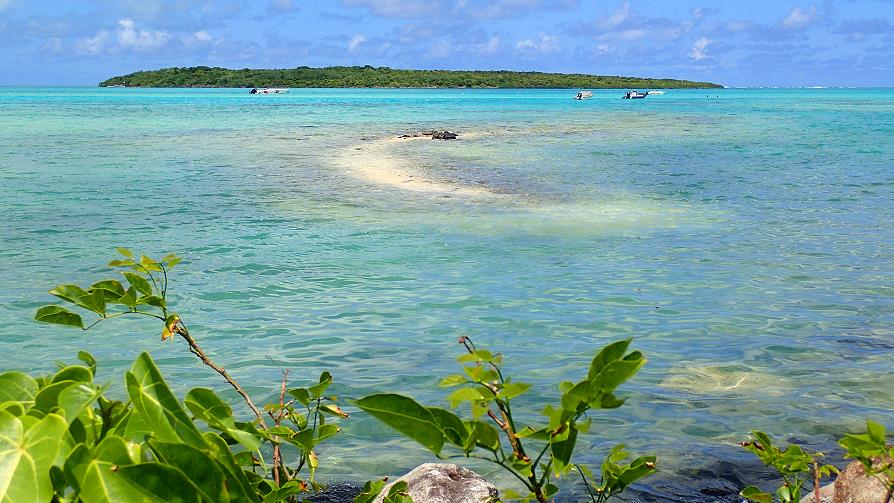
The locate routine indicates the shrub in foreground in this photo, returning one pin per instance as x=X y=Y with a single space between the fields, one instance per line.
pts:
x=62 y=439
x=536 y=455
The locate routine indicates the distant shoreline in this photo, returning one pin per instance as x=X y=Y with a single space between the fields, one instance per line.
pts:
x=361 y=77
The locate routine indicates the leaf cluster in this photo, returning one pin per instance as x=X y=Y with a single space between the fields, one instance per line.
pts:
x=303 y=423
x=793 y=464
x=62 y=439
x=145 y=295
x=493 y=432
x=873 y=450
x=154 y=427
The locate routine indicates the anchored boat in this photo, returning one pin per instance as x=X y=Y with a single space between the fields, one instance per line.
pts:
x=583 y=95
x=269 y=90
x=634 y=95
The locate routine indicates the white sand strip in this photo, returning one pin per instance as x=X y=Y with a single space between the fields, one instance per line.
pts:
x=377 y=162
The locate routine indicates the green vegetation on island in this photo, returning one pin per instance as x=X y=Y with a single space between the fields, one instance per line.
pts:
x=368 y=76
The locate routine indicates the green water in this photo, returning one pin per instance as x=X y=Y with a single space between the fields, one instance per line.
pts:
x=743 y=238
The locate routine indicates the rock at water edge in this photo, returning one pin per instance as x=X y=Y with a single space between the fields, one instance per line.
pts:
x=853 y=486
x=445 y=483
x=827 y=493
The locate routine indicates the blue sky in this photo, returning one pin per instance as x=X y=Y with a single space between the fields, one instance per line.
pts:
x=754 y=43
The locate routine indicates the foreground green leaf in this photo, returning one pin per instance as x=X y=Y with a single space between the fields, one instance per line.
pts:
x=26 y=455
x=206 y=405
x=406 y=416
x=59 y=315
x=157 y=406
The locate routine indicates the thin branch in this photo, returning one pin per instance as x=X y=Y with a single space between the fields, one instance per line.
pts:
x=164 y=290
x=181 y=330
x=816 y=482
x=586 y=483
x=546 y=471
x=545 y=448
x=508 y=468
x=88 y=327
x=151 y=277
x=277 y=455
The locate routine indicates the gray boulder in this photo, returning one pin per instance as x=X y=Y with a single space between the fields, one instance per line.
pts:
x=445 y=483
x=443 y=135
x=827 y=493
x=853 y=486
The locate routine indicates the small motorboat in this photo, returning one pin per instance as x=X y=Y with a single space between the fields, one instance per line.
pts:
x=634 y=95
x=269 y=90
x=583 y=95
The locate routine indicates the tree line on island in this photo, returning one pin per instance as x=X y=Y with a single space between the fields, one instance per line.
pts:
x=368 y=76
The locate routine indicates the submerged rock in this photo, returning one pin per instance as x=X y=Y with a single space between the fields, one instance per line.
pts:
x=445 y=483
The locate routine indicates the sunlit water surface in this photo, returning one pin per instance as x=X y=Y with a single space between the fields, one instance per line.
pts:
x=744 y=238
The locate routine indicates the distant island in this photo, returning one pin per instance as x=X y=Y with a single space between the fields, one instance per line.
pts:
x=368 y=76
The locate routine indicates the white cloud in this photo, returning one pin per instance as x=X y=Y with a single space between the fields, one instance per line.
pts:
x=543 y=44
x=202 y=36
x=620 y=15
x=737 y=26
x=356 y=42
x=93 y=45
x=126 y=38
x=699 y=49
x=466 y=9
x=199 y=37
x=282 y=6
x=626 y=25
x=492 y=46
x=400 y=8
x=440 y=50
x=629 y=35
x=799 y=18
x=131 y=38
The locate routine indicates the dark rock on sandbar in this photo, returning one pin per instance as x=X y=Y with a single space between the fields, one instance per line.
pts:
x=435 y=135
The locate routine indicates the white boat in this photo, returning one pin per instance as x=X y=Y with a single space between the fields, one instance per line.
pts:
x=583 y=95
x=269 y=90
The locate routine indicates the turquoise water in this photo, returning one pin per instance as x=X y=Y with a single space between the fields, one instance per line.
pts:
x=744 y=239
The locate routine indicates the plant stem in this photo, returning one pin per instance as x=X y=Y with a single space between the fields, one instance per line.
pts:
x=196 y=350
x=586 y=484
x=890 y=492
x=508 y=469
x=816 y=482
x=151 y=277
x=277 y=455
x=88 y=327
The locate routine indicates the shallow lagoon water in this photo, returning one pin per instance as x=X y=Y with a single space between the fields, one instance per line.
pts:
x=743 y=238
